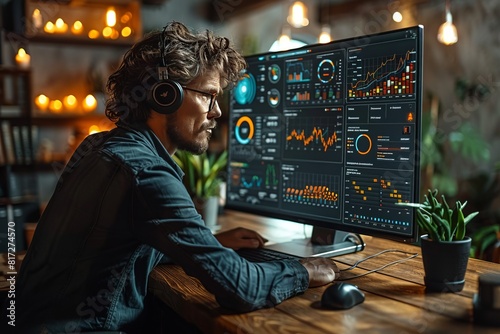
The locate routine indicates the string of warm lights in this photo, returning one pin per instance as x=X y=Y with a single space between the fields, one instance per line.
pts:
x=298 y=18
x=68 y=104
x=447 y=32
x=111 y=30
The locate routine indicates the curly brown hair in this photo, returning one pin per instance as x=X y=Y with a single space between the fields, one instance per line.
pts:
x=187 y=55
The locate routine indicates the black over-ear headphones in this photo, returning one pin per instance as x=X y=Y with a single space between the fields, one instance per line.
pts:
x=165 y=96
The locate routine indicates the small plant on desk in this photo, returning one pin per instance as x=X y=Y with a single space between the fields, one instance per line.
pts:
x=445 y=246
x=203 y=179
x=438 y=221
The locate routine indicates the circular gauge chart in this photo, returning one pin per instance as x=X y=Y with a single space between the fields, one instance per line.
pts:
x=244 y=92
x=273 y=97
x=274 y=73
x=326 y=70
x=363 y=144
x=244 y=130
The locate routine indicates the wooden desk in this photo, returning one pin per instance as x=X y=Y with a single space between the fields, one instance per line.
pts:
x=396 y=301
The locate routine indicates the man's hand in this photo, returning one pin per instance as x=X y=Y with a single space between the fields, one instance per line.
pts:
x=240 y=238
x=321 y=270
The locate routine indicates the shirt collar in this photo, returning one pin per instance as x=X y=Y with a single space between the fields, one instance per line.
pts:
x=146 y=131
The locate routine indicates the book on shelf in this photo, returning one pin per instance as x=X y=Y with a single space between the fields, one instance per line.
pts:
x=17 y=144
x=10 y=157
x=27 y=144
x=3 y=160
x=10 y=110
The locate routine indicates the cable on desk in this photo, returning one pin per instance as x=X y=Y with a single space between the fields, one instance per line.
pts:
x=412 y=255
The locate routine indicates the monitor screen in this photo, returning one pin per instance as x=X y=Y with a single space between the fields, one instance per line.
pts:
x=329 y=134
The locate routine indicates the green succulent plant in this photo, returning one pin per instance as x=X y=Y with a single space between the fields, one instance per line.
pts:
x=438 y=220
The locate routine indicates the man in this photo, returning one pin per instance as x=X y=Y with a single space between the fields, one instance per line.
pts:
x=120 y=207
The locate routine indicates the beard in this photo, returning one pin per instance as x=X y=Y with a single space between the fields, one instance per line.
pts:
x=185 y=142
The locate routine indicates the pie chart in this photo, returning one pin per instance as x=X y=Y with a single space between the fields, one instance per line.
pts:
x=273 y=97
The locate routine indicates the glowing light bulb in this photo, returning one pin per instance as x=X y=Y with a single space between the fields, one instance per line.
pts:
x=55 y=106
x=49 y=27
x=115 y=34
x=42 y=102
x=297 y=16
x=447 y=33
x=70 y=102
x=111 y=17
x=90 y=103
x=284 y=42
x=325 y=36
x=37 y=18
x=397 y=17
x=22 y=58
x=61 y=26
x=93 y=34
x=94 y=129
x=126 y=32
x=77 y=28
x=126 y=17
x=106 y=32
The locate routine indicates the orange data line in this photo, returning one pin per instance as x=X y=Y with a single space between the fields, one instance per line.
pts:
x=316 y=133
x=372 y=75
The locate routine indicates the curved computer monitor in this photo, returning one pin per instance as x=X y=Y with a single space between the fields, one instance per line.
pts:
x=329 y=135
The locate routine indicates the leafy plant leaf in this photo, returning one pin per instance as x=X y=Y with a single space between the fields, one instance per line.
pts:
x=202 y=172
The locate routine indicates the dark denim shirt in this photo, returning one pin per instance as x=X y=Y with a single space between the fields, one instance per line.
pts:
x=120 y=207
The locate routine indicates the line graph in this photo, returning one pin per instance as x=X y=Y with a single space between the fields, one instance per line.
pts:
x=255 y=176
x=318 y=135
x=299 y=71
x=253 y=181
x=374 y=75
x=271 y=179
x=316 y=138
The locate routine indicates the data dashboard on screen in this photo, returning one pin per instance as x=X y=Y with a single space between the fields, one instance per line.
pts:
x=329 y=134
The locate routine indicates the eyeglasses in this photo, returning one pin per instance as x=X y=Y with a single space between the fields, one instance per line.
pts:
x=213 y=96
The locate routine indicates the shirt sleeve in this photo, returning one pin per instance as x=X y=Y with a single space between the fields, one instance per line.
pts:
x=166 y=219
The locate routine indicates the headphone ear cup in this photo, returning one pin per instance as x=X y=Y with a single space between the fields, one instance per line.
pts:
x=166 y=96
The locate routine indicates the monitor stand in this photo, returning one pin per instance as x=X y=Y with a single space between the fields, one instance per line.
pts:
x=324 y=242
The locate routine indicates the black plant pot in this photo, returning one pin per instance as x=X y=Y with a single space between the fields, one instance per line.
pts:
x=445 y=264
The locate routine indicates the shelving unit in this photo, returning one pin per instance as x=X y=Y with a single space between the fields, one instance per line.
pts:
x=62 y=60
x=67 y=63
x=18 y=187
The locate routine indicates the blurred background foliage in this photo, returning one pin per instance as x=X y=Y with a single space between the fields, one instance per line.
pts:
x=448 y=150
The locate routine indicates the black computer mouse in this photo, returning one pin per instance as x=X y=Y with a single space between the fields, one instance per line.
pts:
x=342 y=296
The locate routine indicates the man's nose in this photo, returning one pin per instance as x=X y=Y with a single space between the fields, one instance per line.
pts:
x=215 y=112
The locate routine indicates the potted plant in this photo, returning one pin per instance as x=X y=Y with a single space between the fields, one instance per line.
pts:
x=445 y=246
x=203 y=180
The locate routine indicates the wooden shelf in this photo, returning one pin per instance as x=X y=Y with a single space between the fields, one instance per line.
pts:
x=68 y=119
x=18 y=200
x=125 y=43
